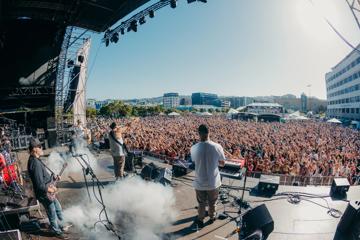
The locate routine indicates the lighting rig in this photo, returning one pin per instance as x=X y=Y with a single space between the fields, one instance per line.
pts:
x=113 y=36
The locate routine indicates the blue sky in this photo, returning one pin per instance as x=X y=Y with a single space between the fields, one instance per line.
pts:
x=228 y=47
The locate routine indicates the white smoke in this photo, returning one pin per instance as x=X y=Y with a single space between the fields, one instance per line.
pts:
x=138 y=209
x=56 y=160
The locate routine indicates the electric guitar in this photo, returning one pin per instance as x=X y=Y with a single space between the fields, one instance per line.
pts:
x=52 y=196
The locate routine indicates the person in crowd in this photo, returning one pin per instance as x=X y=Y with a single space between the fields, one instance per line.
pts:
x=207 y=156
x=118 y=150
x=41 y=179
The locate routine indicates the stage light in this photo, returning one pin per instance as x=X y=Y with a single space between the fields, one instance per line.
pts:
x=173 y=3
x=114 y=38
x=122 y=31
x=151 y=14
x=133 y=25
x=142 y=20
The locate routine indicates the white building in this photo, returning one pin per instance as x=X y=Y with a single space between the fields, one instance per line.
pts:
x=343 y=88
x=171 y=100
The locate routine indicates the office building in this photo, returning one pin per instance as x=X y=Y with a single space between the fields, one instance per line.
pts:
x=171 y=100
x=205 y=99
x=343 y=88
x=304 y=103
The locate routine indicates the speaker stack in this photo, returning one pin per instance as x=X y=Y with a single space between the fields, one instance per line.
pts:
x=151 y=172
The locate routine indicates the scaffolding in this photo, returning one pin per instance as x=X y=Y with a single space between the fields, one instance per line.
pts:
x=74 y=40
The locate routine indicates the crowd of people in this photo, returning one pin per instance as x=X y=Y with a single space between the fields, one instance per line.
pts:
x=301 y=148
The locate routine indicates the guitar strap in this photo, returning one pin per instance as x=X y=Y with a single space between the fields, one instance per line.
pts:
x=117 y=141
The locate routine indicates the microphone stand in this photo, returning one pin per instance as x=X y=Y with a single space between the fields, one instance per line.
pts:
x=87 y=170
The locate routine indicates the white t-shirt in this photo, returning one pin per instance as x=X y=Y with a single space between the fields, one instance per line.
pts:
x=206 y=156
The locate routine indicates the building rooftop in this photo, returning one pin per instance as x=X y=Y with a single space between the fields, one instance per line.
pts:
x=264 y=105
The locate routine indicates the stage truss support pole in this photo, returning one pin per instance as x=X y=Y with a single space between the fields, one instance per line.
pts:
x=59 y=89
x=73 y=46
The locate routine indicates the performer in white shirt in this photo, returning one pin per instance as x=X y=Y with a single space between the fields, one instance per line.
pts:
x=207 y=156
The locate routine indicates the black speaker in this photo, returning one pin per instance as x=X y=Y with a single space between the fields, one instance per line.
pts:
x=150 y=172
x=165 y=176
x=349 y=227
x=268 y=184
x=52 y=138
x=129 y=163
x=180 y=168
x=258 y=218
x=339 y=188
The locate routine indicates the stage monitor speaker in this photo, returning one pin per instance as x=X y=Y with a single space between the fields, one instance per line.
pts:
x=10 y=235
x=339 y=188
x=165 y=176
x=150 y=172
x=258 y=218
x=180 y=168
x=349 y=227
x=268 y=184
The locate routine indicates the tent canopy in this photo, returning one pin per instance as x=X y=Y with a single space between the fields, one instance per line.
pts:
x=333 y=120
x=174 y=114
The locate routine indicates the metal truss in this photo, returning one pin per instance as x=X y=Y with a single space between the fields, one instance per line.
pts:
x=140 y=17
x=355 y=9
x=73 y=41
x=32 y=91
x=59 y=88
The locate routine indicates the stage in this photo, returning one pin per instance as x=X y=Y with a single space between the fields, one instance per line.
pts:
x=302 y=221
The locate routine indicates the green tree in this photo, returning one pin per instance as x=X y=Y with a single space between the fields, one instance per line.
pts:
x=90 y=112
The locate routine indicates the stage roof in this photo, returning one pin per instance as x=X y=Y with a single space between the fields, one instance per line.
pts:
x=95 y=15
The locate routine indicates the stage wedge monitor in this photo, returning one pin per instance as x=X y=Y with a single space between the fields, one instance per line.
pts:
x=256 y=219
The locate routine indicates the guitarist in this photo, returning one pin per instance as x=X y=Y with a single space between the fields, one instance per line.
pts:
x=41 y=179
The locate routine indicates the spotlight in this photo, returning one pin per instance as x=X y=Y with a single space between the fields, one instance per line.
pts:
x=173 y=3
x=151 y=13
x=133 y=25
x=122 y=31
x=114 y=38
x=142 y=20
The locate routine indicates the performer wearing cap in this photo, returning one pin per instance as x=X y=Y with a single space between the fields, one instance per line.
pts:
x=118 y=150
x=207 y=156
x=40 y=178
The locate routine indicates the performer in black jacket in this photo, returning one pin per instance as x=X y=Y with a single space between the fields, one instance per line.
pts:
x=41 y=178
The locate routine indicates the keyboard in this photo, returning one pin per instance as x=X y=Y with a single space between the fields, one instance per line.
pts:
x=232 y=169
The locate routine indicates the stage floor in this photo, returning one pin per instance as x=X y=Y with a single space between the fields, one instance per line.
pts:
x=303 y=221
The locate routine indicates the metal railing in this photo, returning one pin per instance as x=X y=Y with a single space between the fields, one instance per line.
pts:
x=297 y=180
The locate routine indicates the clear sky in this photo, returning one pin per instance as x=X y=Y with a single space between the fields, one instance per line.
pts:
x=228 y=47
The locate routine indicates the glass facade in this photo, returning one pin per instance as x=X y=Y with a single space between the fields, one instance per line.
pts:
x=343 y=88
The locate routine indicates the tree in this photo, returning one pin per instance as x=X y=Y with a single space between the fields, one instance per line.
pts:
x=90 y=112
